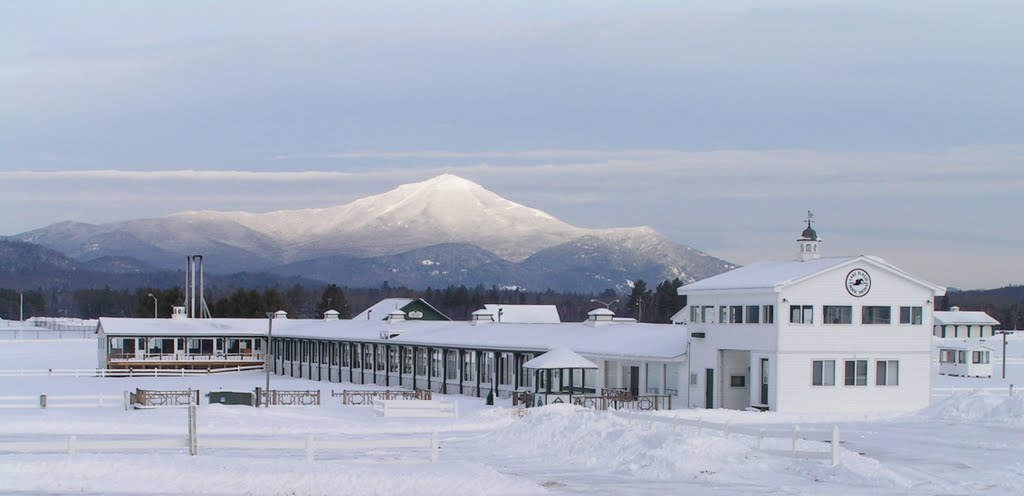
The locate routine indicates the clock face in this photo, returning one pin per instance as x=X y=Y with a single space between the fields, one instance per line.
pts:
x=858 y=282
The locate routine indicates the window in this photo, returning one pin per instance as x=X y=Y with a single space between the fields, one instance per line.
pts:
x=979 y=357
x=693 y=378
x=801 y=314
x=421 y=361
x=947 y=356
x=468 y=365
x=887 y=373
x=856 y=373
x=436 y=363
x=769 y=314
x=707 y=313
x=393 y=359
x=838 y=315
x=753 y=314
x=723 y=314
x=910 y=315
x=693 y=314
x=736 y=314
x=452 y=362
x=738 y=381
x=876 y=315
x=823 y=373
x=961 y=356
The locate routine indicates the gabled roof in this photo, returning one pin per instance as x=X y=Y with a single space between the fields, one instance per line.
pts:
x=560 y=358
x=775 y=275
x=382 y=308
x=524 y=314
x=960 y=317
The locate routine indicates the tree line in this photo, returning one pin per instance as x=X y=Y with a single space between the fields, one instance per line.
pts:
x=306 y=302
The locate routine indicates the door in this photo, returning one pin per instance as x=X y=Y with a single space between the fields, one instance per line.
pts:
x=764 y=381
x=709 y=389
x=634 y=381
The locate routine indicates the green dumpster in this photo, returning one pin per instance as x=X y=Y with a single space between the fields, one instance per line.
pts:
x=246 y=398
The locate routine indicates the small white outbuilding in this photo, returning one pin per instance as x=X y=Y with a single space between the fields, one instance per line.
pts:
x=965 y=359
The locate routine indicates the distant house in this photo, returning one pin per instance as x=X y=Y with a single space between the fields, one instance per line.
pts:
x=413 y=308
x=966 y=359
x=960 y=324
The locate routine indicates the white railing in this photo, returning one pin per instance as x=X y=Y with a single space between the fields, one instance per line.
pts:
x=949 y=391
x=123 y=372
x=59 y=401
x=789 y=442
x=31 y=333
x=185 y=357
x=309 y=444
x=420 y=409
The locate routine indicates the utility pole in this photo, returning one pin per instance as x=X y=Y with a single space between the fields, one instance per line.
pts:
x=268 y=360
x=155 y=305
x=21 y=311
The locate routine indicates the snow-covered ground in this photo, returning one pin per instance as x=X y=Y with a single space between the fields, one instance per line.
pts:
x=965 y=443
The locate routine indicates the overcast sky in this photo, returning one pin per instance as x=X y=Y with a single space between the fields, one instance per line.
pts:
x=718 y=123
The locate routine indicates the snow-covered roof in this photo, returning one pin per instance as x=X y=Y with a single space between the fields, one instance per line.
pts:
x=382 y=308
x=524 y=314
x=776 y=274
x=560 y=358
x=960 y=317
x=659 y=341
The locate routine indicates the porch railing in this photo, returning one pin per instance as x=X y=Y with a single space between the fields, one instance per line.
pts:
x=368 y=397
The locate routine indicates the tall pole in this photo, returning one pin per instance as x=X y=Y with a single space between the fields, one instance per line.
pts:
x=21 y=308
x=155 y=305
x=268 y=360
x=1004 y=353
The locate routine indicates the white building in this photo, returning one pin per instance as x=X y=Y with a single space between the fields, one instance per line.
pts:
x=813 y=334
x=965 y=359
x=959 y=324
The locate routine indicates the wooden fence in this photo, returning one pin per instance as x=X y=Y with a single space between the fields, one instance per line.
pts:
x=793 y=441
x=369 y=397
x=308 y=444
x=59 y=401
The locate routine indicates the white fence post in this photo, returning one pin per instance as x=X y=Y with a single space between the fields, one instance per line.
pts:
x=42 y=401
x=193 y=442
x=796 y=437
x=456 y=408
x=675 y=424
x=72 y=441
x=309 y=448
x=760 y=438
x=434 y=447
x=726 y=429
x=700 y=425
x=835 y=445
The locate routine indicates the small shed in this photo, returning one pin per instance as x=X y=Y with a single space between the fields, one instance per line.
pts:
x=558 y=360
x=965 y=359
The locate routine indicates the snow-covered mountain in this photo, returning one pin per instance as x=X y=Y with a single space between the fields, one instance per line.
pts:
x=381 y=235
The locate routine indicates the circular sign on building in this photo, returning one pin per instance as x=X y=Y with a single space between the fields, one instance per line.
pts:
x=858 y=282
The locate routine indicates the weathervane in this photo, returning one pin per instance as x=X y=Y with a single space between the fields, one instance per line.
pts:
x=810 y=218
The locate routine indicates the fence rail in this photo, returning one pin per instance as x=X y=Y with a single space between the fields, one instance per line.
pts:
x=129 y=372
x=369 y=397
x=291 y=398
x=949 y=391
x=100 y=400
x=308 y=444
x=794 y=439
x=149 y=398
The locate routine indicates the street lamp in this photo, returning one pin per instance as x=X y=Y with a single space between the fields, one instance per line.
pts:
x=606 y=305
x=155 y=304
x=268 y=358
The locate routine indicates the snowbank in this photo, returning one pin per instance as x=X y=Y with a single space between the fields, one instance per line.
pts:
x=977 y=406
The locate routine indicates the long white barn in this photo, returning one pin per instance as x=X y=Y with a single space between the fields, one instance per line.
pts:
x=444 y=356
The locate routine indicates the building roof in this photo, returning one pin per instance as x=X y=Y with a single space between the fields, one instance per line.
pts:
x=960 y=317
x=777 y=274
x=660 y=341
x=524 y=314
x=560 y=358
x=382 y=308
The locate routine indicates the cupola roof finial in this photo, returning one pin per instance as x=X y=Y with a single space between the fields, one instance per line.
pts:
x=809 y=233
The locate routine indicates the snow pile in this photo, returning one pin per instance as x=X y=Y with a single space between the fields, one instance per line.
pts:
x=977 y=406
x=634 y=446
x=205 y=474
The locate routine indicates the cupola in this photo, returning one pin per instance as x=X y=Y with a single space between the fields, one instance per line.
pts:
x=807 y=245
